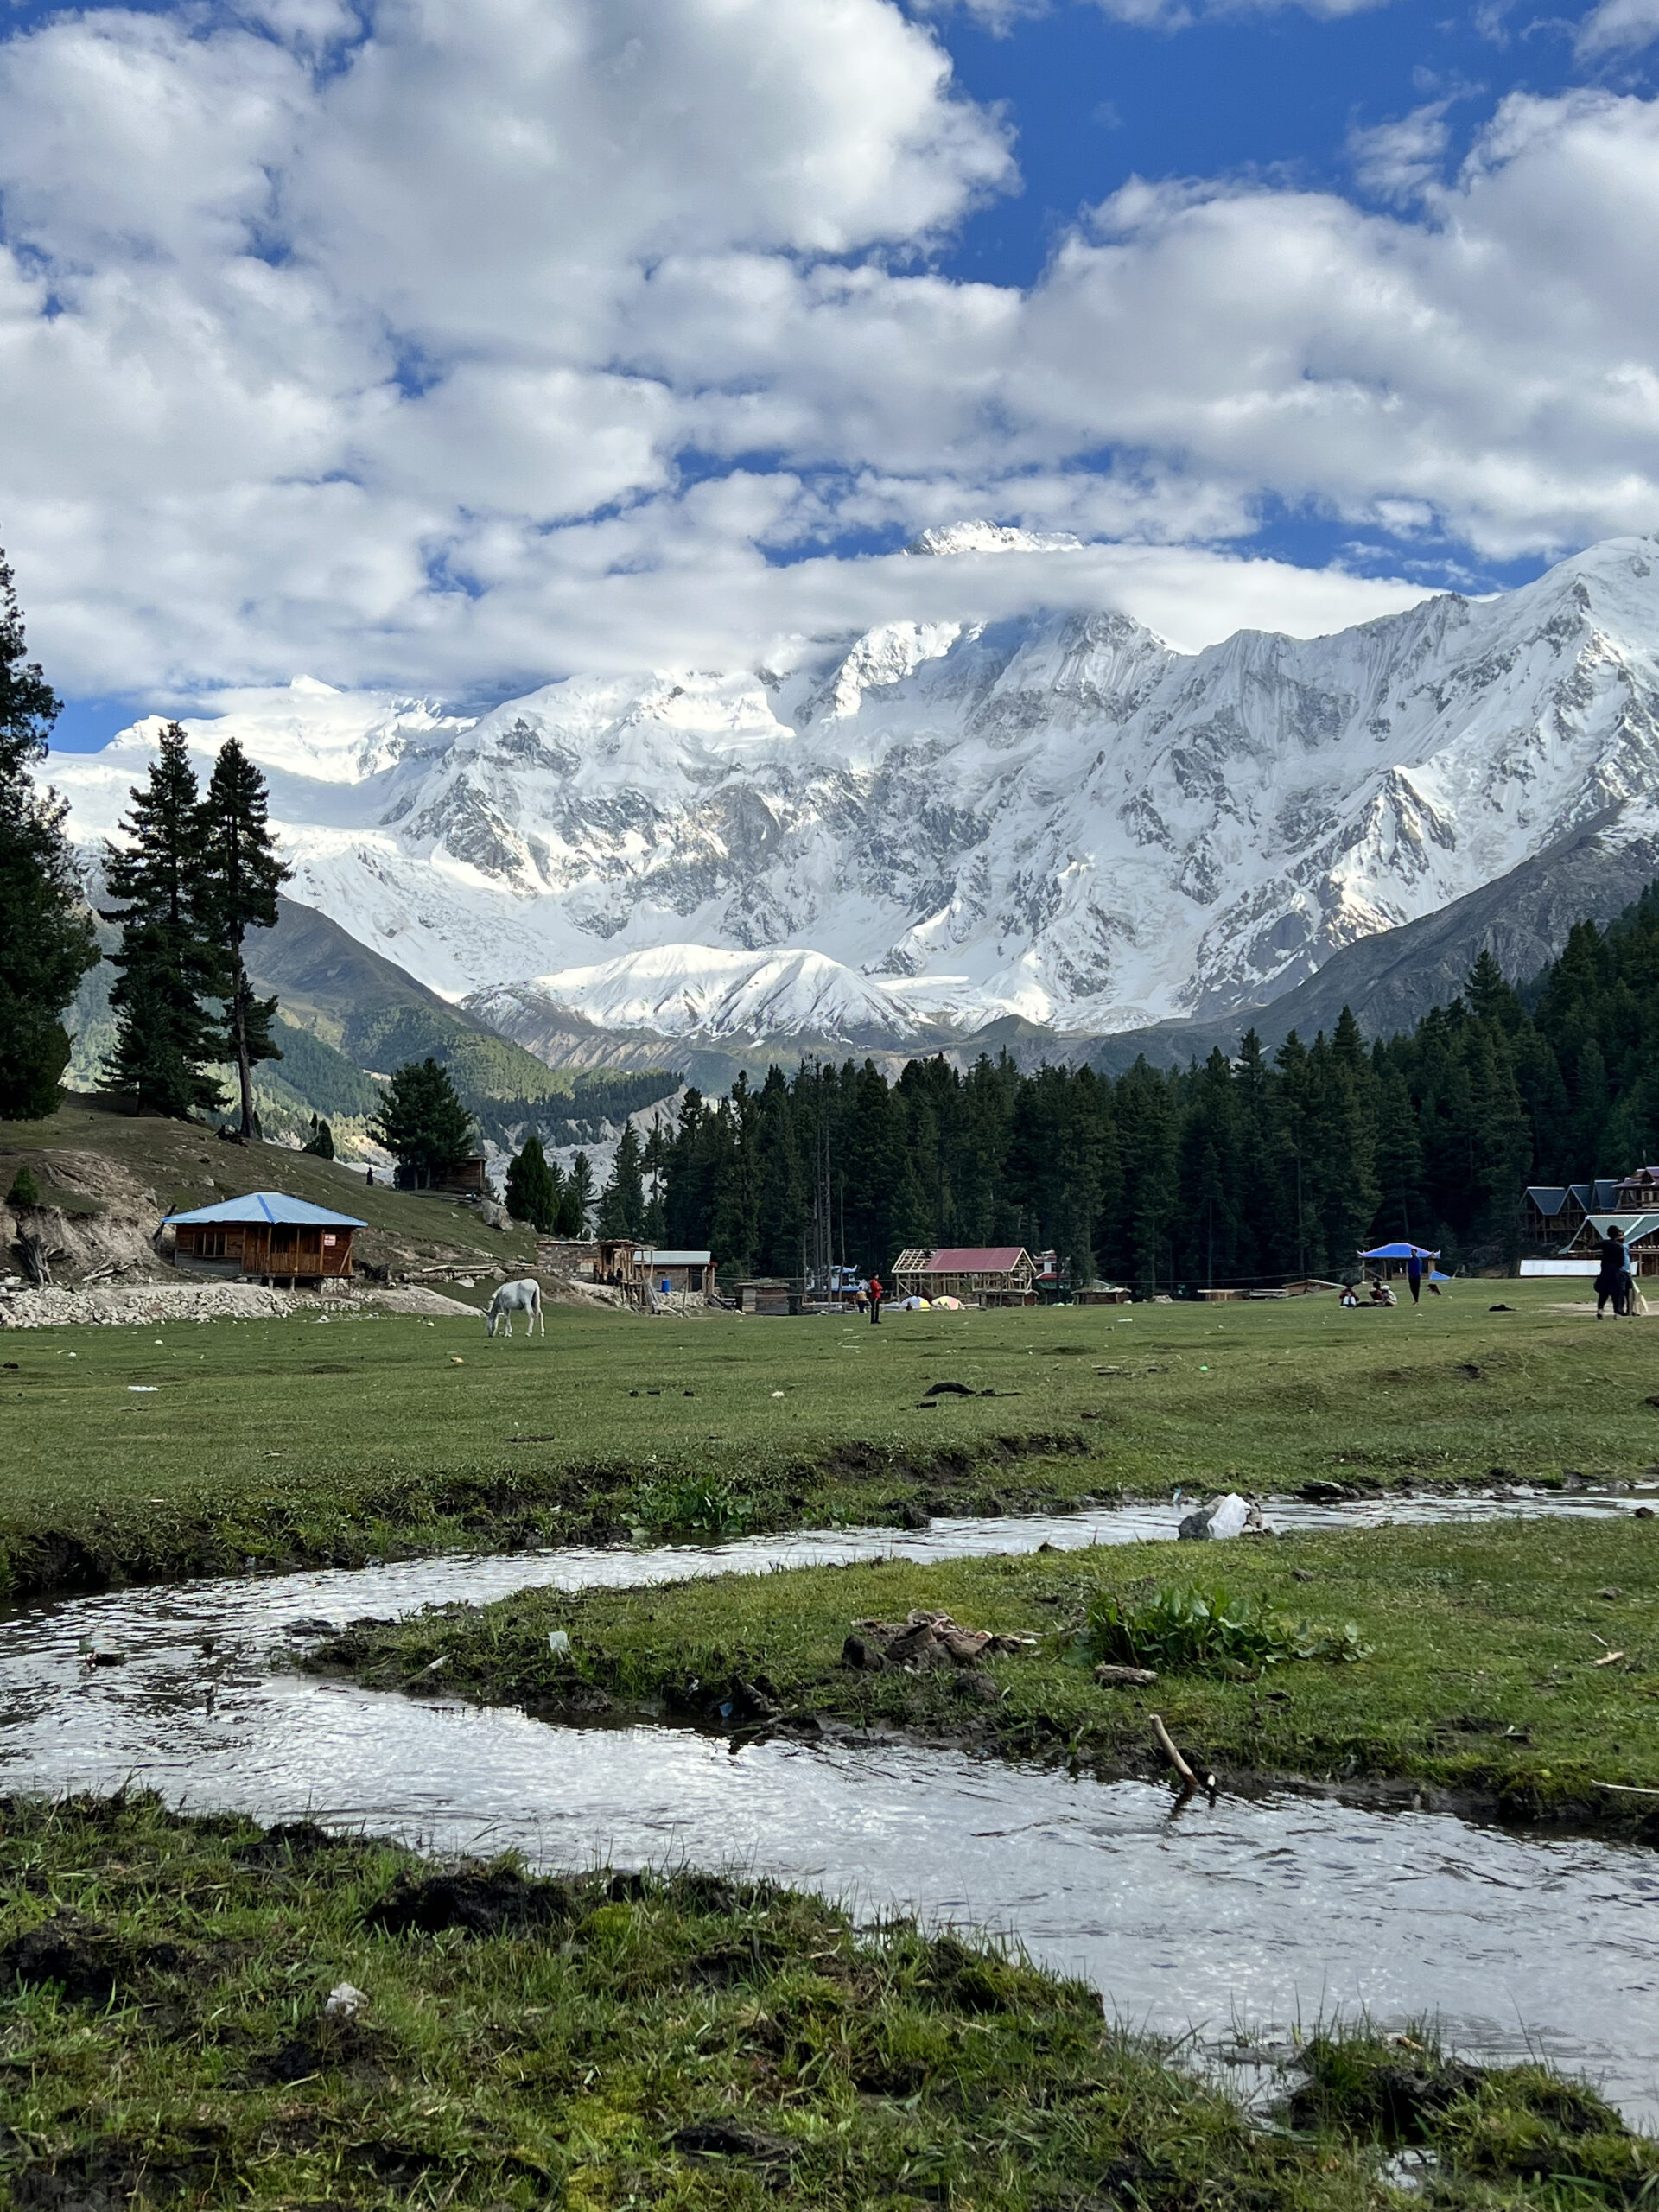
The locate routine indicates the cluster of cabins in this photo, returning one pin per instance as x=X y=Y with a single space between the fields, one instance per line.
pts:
x=1565 y=1223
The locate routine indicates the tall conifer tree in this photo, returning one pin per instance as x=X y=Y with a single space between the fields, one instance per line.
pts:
x=46 y=937
x=622 y=1202
x=168 y=967
x=241 y=875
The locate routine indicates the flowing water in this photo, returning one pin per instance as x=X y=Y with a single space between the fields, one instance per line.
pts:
x=1247 y=1914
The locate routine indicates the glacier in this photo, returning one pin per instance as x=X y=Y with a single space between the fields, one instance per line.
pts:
x=911 y=833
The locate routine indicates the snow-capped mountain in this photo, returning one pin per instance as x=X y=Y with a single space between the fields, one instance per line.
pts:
x=910 y=833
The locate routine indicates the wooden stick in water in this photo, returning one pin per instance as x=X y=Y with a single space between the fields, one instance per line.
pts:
x=1166 y=1744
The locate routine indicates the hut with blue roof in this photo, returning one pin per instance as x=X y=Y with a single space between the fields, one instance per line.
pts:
x=265 y=1237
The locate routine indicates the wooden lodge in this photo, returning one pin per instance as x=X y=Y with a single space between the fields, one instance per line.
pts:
x=989 y=1275
x=265 y=1237
x=1551 y=1214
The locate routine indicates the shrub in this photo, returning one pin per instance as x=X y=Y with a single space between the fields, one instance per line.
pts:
x=695 y=1506
x=25 y=1190
x=1176 y=1630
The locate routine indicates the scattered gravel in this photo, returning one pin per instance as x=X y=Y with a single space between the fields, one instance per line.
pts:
x=109 y=1306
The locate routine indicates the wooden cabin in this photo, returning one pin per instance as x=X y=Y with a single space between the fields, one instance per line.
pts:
x=265 y=1237
x=991 y=1275
x=773 y=1294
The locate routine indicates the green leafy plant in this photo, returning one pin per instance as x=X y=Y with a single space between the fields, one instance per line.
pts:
x=695 y=1506
x=1178 y=1628
x=25 y=1190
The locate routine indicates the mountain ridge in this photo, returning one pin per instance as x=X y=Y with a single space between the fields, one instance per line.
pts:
x=917 y=834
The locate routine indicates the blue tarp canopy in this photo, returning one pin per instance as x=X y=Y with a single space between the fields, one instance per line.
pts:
x=1400 y=1252
x=272 y=1205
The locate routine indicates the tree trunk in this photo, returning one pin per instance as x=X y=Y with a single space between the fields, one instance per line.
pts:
x=244 y=1066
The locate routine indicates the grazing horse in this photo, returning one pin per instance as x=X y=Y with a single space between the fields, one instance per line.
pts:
x=524 y=1296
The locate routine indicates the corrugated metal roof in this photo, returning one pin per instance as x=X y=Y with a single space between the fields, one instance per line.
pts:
x=644 y=1258
x=1633 y=1226
x=1548 y=1198
x=274 y=1206
x=972 y=1258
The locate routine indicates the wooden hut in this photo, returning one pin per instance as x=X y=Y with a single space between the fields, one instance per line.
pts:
x=991 y=1275
x=639 y=1271
x=265 y=1237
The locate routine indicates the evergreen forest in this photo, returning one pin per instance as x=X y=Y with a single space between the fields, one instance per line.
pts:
x=1252 y=1168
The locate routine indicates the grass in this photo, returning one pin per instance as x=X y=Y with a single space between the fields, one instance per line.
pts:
x=598 y=2041
x=1479 y=1679
x=185 y=1166
x=189 y=1448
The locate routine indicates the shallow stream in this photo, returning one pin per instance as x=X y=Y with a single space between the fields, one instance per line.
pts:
x=1247 y=1915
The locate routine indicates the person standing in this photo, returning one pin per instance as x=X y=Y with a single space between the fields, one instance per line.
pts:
x=1414 y=1276
x=876 y=1296
x=1611 y=1275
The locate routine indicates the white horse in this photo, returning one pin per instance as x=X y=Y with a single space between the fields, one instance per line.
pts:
x=524 y=1296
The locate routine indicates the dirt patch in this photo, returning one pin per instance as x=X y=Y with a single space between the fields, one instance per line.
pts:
x=82 y=1960
x=481 y=1901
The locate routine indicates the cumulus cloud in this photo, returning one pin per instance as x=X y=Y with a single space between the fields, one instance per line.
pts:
x=449 y=343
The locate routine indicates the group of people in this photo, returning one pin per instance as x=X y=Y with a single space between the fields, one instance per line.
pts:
x=1616 y=1276
x=1379 y=1293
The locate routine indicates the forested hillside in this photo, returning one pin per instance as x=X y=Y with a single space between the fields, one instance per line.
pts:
x=1253 y=1168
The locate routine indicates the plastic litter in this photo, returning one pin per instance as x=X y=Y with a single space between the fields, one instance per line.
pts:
x=1223 y=1517
x=345 y=2002
x=558 y=1641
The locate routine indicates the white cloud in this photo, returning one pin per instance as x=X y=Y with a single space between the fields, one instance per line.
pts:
x=503 y=339
x=1618 y=26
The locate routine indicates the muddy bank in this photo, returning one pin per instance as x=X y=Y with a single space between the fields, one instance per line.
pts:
x=598 y=1504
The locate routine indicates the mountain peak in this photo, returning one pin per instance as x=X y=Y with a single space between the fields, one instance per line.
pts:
x=992 y=538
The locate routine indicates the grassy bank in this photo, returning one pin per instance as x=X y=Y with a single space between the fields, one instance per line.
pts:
x=1478 y=1680
x=154 y=1452
x=85 y=1148
x=598 y=2041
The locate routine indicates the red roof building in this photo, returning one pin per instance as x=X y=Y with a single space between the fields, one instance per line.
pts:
x=992 y=1274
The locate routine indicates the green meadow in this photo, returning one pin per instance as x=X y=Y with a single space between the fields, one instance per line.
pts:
x=152 y=1451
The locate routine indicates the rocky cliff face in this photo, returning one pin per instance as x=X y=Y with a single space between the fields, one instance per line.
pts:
x=909 y=834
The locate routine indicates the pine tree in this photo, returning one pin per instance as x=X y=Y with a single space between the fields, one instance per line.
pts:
x=532 y=1192
x=241 y=875
x=622 y=1202
x=424 y=1122
x=322 y=1139
x=576 y=1202
x=165 y=1035
x=46 y=937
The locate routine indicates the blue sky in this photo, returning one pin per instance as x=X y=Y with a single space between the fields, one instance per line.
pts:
x=1283 y=313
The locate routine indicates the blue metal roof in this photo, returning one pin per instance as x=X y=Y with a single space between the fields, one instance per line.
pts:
x=272 y=1205
x=1399 y=1252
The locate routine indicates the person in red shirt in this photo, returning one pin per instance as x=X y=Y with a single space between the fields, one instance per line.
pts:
x=876 y=1296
